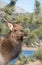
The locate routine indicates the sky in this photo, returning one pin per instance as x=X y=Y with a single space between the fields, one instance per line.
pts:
x=27 y=5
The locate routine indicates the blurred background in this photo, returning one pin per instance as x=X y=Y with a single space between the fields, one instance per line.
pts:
x=29 y=13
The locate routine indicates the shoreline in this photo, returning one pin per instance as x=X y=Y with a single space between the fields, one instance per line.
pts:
x=29 y=48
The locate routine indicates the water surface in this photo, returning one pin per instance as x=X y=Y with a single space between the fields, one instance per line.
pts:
x=26 y=53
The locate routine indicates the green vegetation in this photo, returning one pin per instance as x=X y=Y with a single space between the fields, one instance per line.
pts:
x=32 y=22
x=24 y=60
x=37 y=7
x=3 y=29
x=38 y=55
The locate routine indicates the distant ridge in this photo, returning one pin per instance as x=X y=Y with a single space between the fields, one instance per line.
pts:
x=2 y=4
x=17 y=9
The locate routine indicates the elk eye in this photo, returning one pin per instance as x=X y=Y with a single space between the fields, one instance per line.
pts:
x=15 y=30
x=21 y=30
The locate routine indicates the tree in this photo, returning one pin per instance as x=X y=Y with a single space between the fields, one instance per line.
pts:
x=9 y=9
x=13 y=2
x=37 y=7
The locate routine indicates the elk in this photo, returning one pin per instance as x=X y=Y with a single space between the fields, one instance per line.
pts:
x=10 y=46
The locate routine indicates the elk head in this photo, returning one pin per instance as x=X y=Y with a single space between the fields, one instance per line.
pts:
x=17 y=31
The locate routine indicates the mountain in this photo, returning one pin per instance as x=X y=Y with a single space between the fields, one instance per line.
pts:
x=17 y=9
x=2 y=4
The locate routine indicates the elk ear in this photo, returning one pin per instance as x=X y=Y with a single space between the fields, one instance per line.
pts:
x=10 y=26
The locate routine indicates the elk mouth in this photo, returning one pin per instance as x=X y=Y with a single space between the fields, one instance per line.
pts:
x=20 y=39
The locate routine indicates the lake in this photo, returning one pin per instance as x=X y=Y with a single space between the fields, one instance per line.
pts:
x=26 y=53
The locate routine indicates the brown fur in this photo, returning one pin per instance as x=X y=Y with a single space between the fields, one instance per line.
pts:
x=10 y=46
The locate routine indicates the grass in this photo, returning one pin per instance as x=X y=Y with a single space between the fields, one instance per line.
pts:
x=38 y=54
x=25 y=60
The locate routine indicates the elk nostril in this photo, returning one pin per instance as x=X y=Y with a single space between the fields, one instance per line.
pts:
x=22 y=38
x=25 y=34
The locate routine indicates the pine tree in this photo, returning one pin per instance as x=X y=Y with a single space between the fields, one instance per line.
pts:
x=13 y=2
x=9 y=8
x=37 y=10
x=37 y=7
